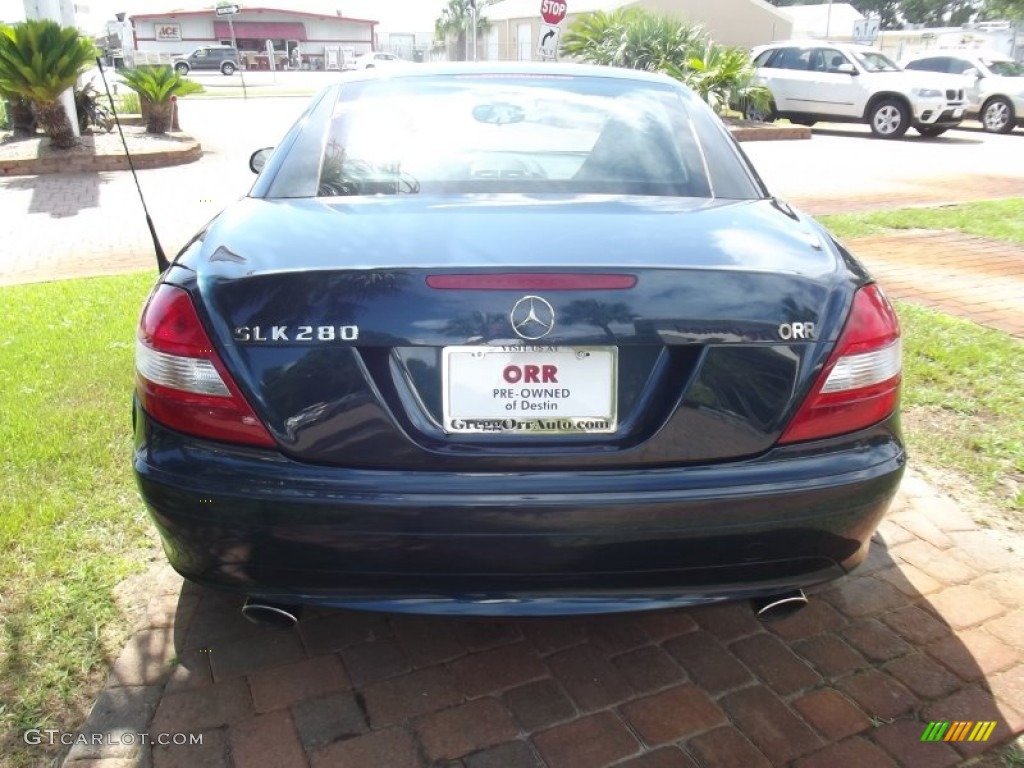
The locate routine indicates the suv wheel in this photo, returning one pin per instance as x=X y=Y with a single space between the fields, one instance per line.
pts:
x=889 y=118
x=227 y=68
x=181 y=68
x=997 y=115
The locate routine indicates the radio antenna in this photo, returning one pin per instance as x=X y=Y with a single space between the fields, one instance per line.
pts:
x=161 y=260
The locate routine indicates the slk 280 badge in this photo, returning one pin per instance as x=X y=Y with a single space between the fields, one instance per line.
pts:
x=299 y=333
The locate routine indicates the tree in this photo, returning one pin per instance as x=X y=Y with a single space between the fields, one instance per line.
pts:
x=1003 y=9
x=155 y=86
x=634 y=38
x=893 y=13
x=456 y=20
x=887 y=11
x=640 y=39
x=39 y=60
x=723 y=76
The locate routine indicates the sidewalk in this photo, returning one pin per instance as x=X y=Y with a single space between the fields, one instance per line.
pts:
x=931 y=628
x=972 y=277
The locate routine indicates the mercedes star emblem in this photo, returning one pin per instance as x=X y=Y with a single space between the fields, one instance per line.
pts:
x=532 y=318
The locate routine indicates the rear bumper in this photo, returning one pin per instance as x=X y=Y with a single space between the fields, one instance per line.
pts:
x=258 y=523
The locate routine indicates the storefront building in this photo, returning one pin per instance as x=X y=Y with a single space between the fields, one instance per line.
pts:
x=299 y=40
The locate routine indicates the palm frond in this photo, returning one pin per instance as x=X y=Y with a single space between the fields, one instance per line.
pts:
x=157 y=84
x=39 y=59
x=636 y=38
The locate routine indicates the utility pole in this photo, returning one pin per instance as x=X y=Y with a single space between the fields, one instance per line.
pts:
x=63 y=12
x=828 y=21
x=472 y=12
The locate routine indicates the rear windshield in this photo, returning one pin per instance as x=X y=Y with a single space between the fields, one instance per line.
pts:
x=530 y=133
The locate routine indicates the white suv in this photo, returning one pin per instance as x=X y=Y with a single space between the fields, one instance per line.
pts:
x=995 y=87
x=844 y=82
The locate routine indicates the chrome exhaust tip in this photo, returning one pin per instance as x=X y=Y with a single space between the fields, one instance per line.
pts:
x=774 y=607
x=273 y=615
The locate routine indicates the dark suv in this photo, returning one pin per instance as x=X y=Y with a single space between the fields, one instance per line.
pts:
x=222 y=57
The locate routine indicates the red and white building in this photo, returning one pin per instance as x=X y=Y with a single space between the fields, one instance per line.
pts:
x=299 y=39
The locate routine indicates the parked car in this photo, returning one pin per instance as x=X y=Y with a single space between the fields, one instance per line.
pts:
x=502 y=339
x=845 y=82
x=376 y=59
x=995 y=85
x=222 y=57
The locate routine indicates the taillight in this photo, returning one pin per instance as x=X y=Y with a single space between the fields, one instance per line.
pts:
x=181 y=380
x=860 y=384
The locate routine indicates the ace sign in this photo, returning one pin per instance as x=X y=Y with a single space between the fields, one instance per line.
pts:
x=552 y=11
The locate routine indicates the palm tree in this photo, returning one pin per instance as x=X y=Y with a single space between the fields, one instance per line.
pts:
x=722 y=76
x=456 y=20
x=155 y=86
x=632 y=37
x=39 y=60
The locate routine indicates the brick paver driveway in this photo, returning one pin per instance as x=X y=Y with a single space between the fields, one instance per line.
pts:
x=930 y=628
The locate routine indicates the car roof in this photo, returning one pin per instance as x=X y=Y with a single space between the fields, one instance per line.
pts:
x=517 y=68
x=960 y=54
x=812 y=43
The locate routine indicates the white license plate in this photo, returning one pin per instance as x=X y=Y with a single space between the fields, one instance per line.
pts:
x=529 y=390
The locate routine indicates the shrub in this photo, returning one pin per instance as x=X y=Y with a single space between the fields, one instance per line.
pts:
x=39 y=60
x=155 y=86
x=636 y=38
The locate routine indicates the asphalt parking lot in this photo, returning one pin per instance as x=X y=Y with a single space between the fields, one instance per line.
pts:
x=73 y=232
x=841 y=161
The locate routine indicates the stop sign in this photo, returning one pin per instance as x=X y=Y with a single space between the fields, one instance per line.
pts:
x=553 y=11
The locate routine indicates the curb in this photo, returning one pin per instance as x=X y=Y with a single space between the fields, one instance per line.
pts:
x=770 y=132
x=86 y=159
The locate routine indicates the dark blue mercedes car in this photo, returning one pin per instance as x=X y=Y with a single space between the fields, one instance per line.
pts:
x=507 y=339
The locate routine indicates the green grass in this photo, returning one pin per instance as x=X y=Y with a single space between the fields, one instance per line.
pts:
x=963 y=403
x=999 y=219
x=71 y=525
x=3 y=115
x=1013 y=753
x=127 y=103
x=964 y=394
